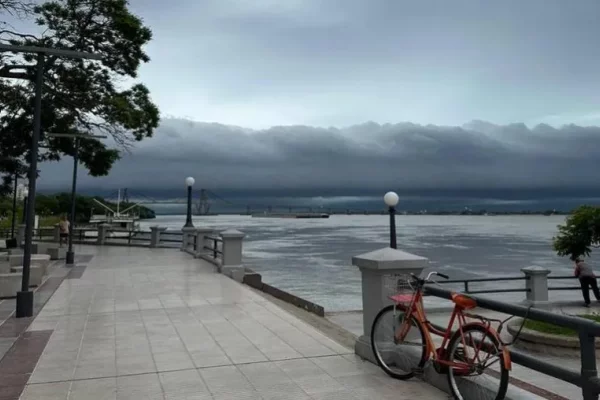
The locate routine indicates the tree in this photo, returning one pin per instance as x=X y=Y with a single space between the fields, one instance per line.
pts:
x=79 y=96
x=580 y=232
x=45 y=205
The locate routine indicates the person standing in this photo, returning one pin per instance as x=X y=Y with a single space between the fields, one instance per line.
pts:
x=587 y=278
x=64 y=228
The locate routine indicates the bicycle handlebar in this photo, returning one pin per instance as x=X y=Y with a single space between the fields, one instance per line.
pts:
x=428 y=279
x=442 y=275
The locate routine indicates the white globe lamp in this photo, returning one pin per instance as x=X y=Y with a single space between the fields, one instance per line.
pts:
x=391 y=199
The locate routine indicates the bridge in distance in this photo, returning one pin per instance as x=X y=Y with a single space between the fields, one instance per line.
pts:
x=206 y=202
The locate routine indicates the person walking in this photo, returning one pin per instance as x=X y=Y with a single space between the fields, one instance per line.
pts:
x=64 y=228
x=587 y=278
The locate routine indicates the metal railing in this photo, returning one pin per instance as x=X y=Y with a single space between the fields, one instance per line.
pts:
x=214 y=249
x=587 y=379
x=6 y=233
x=140 y=237
x=467 y=284
x=565 y=277
x=121 y=237
x=467 y=289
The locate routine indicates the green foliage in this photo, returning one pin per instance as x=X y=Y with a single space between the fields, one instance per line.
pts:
x=5 y=207
x=44 y=222
x=51 y=207
x=79 y=96
x=580 y=232
x=545 y=327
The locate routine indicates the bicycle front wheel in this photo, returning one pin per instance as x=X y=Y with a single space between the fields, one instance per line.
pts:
x=477 y=369
x=400 y=360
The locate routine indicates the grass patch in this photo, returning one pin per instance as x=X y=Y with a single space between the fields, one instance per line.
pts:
x=545 y=327
x=45 y=222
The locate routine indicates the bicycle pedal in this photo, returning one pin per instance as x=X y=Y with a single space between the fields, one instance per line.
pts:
x=418 y=371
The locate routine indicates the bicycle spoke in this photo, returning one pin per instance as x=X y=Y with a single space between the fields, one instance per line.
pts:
x=472 y=354
x=400 y=359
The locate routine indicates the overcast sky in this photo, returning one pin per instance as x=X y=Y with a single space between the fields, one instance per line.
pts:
x=438 y=64
x=261 y=63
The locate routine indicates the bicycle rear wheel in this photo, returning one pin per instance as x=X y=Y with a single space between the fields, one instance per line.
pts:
x=399 y=360
x=479 y=370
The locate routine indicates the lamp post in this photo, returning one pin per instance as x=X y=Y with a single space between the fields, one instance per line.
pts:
x=189 y=182
x=70 y=256
x=14 y=207
x=391 y=200
x=25 y=296
x=25 y=196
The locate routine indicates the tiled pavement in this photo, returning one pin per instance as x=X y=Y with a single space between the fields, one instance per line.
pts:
x=157 y=324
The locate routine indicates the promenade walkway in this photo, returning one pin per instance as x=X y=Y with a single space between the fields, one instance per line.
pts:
x=139 y=324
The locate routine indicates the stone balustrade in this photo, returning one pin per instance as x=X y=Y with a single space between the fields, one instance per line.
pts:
x=223 y=249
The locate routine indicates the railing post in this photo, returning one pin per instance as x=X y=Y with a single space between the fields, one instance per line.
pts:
x=186 y=238
x=55 y=233
x=21 y=235
x=536 y=285
x=588 y=365
x=155 y=232
x=102 y=232
x=232 y=254
x=201 y=234
x=466 y=286
x=374 y=267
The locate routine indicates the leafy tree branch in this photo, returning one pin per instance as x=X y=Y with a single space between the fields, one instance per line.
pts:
x=79 y=96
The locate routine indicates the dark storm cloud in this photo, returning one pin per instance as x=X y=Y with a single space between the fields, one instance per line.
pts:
x=361 y=157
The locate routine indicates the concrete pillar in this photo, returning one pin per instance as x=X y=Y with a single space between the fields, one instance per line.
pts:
x=102 y=232
x=155 y=232
x=537 y=285
x=376 y=267
x=56 y=233
x=232 y=254
x=187 y=237
x=201 y=234
x=21 y=235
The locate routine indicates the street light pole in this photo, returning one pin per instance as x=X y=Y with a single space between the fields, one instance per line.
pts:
x=25 y=296
x=391 y=200
x=189 y=181
x=24 y=216
x=70 y=257
x=14 y=207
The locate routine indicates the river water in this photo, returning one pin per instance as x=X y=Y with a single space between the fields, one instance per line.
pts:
x=311 y=258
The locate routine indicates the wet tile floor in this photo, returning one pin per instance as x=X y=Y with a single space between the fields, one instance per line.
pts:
x=158 y=324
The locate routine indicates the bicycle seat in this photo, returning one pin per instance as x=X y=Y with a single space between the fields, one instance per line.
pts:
x=463 y=301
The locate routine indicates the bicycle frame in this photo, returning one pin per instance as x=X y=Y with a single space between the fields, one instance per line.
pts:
x=417 y=310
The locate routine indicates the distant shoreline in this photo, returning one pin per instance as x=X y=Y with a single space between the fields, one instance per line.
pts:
x=401 y=213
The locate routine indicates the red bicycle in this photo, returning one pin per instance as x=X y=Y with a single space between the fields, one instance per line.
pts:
x=474 y=358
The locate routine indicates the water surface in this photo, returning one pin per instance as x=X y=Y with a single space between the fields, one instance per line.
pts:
x=312 y=257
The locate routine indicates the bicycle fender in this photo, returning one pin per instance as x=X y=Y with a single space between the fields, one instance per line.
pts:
x=507 y=360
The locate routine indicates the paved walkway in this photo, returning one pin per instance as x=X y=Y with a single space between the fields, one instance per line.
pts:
x=156 y=324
